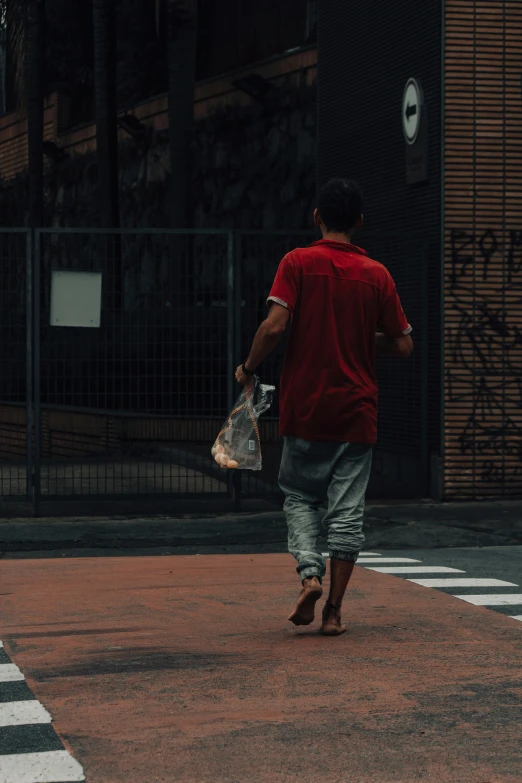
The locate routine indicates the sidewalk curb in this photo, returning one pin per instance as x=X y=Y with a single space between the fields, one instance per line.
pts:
x=388 y=526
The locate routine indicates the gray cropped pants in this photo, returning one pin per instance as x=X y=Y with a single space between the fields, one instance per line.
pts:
x=315 y=475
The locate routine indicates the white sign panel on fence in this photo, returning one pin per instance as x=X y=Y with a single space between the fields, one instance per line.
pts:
x=76 y=298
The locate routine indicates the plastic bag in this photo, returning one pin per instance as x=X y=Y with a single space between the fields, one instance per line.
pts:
x=238 y=445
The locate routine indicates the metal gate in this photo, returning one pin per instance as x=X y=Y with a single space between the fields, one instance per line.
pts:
x=128 y=409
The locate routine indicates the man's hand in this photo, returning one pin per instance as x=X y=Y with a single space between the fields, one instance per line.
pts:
x=242 y=378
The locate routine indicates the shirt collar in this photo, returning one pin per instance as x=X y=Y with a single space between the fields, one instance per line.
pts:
x=346 y=246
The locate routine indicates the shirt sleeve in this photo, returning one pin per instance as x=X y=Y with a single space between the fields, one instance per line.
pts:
x=284 y=290
x=392 y=320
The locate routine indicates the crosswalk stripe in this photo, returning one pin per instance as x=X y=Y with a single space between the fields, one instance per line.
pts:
x=462 y=582
x=23 y=713
x=494 y=599
x=9 y=672
x=363 y=560
x=415 y=570
x=362 y=554
x=48 y=767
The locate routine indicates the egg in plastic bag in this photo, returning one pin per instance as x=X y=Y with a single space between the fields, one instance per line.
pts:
x=238 y=445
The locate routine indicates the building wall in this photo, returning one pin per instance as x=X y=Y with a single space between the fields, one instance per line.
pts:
x=211 y=95
x=483 y=248
x=232 y=37
x=13 y=138
x=367 y=52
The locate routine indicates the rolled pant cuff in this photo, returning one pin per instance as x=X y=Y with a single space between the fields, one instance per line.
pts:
x=307 y=573
x=349 y=556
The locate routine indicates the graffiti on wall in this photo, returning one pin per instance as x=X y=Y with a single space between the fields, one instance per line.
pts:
x=484 y=351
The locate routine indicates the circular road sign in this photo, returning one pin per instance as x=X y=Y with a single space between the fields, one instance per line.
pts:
x=411 y=110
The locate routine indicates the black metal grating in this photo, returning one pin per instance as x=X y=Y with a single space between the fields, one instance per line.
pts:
x=363 y=68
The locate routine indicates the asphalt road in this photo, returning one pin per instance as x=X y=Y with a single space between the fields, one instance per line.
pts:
x=183 y=669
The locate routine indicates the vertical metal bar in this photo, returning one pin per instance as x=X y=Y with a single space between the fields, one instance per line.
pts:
x=424 y=371
x=504 y=197
x=237 y=343
x=230 y=339
x=37 y=473
x=238 y=250
x=29 y=478
x=230 y=319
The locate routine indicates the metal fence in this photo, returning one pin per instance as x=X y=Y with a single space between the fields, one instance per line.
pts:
x=129 y=409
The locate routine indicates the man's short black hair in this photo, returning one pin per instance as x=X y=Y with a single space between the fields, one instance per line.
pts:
x=340 y=204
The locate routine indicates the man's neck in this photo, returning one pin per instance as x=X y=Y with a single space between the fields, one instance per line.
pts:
x=337 y=236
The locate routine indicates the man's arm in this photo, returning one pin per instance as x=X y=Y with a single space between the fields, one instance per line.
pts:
x=399 y=347
x=266 y=340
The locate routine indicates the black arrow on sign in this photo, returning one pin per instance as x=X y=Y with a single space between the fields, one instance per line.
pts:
x=411 y=111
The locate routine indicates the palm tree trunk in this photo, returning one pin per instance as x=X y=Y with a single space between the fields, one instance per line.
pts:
x=35 y=107
x=182 y=25
x=104 y=25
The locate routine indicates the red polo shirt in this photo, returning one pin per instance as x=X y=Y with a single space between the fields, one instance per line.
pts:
x=338 y=298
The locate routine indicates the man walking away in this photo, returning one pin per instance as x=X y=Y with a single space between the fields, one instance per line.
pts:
x=343 y=308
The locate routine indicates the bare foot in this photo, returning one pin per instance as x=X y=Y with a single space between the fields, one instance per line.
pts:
x=304 y=612
x=332 y=621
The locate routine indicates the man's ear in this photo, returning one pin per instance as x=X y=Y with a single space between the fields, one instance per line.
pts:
x=317 y=218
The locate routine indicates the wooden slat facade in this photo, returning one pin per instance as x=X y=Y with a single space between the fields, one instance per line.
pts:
x=483 y=249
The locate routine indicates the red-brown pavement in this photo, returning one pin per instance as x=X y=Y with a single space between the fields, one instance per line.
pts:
x=185 y=669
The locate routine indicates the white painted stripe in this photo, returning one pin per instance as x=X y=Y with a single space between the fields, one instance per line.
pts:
x=462 y=582
x=415 y=570
x=9 y=672
x=363 y=554
x=40 y=768
x=23 y=713
x=516 y=616
x=495 y=599
x=388 y=560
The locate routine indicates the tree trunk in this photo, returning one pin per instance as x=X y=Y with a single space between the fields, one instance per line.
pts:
x=104 y=25
x=35 y=107
x=182 y=25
